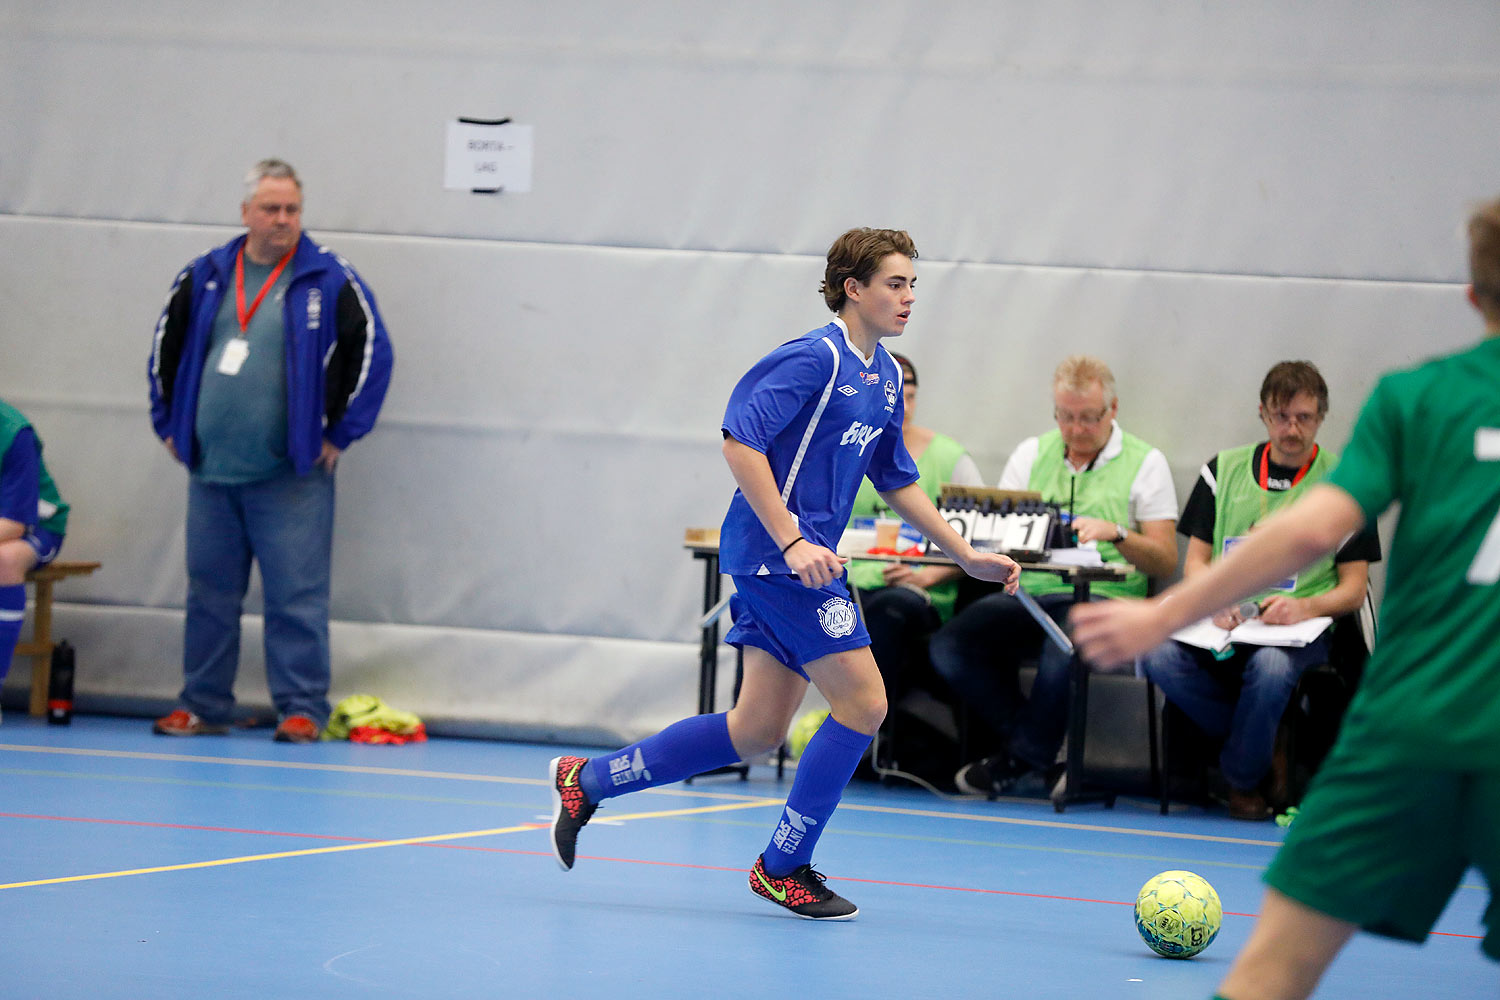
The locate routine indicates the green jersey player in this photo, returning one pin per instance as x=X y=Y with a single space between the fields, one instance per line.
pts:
x=1410 y=796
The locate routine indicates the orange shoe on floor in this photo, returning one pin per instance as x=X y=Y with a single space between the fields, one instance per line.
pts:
x=184 y=723
x=297 y=729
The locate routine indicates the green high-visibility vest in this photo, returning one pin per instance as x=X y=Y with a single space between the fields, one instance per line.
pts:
x=1240 y=504
x=934 y=468
x=1103 y=492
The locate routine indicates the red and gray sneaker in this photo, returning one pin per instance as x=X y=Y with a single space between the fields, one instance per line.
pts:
x=297 y=729
x=802 y=891
x=181 y=722
x=571 y=808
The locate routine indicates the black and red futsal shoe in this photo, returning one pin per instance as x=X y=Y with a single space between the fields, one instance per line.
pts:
x=571 y=808
x=802 y=891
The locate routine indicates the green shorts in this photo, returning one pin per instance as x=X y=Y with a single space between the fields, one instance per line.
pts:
x=1385 y=847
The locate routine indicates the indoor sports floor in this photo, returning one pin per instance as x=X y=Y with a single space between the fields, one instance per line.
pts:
x=133 y=865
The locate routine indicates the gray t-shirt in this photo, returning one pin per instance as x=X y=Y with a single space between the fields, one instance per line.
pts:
x=241 y=423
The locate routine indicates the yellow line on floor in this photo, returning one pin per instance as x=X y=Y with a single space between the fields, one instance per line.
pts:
x=290 y=765
x=749 y=800
x=402 y=842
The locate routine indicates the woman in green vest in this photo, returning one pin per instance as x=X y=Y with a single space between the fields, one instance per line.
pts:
x=904 y=604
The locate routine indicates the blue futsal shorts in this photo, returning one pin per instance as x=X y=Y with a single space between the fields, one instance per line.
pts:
x=793 y=623
x=44 y=543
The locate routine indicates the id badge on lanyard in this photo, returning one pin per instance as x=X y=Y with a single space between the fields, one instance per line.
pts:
x=232 y=358
x=238 y=349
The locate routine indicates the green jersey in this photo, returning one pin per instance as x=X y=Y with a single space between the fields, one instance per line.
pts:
x=51 y=512
x=1430 y=439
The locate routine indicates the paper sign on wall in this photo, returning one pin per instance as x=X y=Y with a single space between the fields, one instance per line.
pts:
x=486 y=156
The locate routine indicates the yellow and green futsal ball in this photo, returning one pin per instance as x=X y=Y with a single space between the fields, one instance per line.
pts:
x=803 y=729
x=1178 y=914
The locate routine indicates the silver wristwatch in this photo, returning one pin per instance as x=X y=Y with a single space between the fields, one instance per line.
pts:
x=1120 y=532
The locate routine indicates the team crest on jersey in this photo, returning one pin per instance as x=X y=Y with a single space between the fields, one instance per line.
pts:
x=869 y=378
x=890 y=393
x=848 y=390
x=837 y=617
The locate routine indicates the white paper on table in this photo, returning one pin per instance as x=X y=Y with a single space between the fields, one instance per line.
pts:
x=1206 y=635
x=1085 y=555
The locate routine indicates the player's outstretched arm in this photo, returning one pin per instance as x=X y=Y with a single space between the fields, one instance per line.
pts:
x=1115 y=632
x=916 y=510
x=814 y=565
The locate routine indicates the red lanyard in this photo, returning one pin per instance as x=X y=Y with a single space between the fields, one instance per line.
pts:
x=239 y=287
x=1265 y=467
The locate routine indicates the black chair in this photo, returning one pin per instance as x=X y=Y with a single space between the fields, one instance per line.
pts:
x=1316 y=712
x=1308 y=728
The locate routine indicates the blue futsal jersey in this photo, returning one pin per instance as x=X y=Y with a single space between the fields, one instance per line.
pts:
x=824 y=420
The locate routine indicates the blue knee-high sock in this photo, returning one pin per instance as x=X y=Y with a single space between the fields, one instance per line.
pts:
x=12 y=611
x=696 y=744
x=824 y=769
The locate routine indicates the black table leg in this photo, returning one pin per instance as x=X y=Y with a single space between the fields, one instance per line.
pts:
x=708 y=651
x=708 y=656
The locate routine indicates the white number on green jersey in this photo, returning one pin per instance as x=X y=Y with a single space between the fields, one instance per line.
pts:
x=1486 y=565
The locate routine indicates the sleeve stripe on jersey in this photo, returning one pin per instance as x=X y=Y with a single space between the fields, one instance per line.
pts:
x=1207 y=476
x=369 y=353
x=161 y=327
x=812 y=425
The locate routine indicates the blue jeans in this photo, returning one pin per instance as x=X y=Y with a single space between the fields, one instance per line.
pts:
x=286 y=525
x=1239 y=700
x=978 y=653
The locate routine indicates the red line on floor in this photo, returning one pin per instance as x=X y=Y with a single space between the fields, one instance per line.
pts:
x=621 y=861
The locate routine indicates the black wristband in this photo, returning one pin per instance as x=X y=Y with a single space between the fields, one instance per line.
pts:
x=794 y=541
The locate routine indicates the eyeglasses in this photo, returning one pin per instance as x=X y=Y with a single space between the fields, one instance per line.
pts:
x=1281 y=418
x=1081 y=419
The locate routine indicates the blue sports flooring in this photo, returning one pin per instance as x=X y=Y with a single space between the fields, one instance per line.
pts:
x=134 y=865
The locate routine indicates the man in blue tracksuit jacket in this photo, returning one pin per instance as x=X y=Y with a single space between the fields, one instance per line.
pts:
x=268 y=360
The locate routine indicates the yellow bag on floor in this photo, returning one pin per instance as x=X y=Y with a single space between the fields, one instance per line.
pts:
x=365 y=712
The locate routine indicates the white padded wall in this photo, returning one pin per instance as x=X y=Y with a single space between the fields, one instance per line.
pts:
x=1269 y=138
x=1192 y=194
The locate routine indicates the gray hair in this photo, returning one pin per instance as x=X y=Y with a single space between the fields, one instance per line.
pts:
x=269 y=168
x=1079 y=370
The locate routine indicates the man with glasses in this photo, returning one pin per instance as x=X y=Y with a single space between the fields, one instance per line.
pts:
x=1241 y=698
x=1120 y=491
x=269 y=359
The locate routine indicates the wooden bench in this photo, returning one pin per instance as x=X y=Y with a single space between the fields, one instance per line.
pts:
x=41 y=645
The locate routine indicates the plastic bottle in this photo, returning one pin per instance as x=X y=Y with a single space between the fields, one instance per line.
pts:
x=60 y=687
